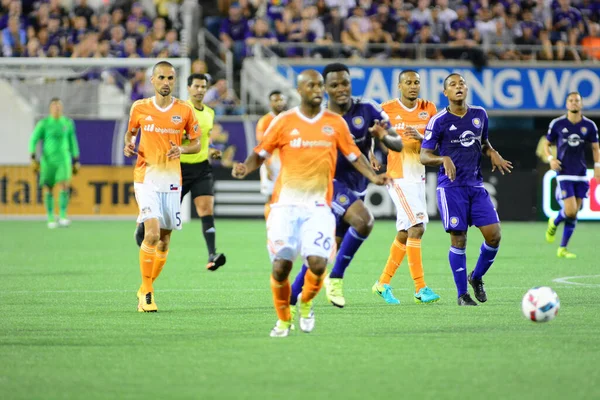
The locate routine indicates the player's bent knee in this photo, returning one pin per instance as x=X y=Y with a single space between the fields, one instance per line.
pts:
x=459 y=239
x=416 y=232
x=317 y=265
x=151 y=238
x=281 y=269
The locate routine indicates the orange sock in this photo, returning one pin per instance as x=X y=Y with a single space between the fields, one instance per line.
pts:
x=281 y=298
x=415 y=262
x=397 y=252
x=159 y=263
x=312 y=285
x=147 y=256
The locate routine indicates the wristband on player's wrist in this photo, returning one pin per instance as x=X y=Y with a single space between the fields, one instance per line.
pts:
x=550 y=158
x=597 y=165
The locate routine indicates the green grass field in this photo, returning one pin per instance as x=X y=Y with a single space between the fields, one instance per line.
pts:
x=69 y=326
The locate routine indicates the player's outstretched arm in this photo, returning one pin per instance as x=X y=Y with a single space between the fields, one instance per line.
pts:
x=252 y=163
x=386 y=135
x=363 y=166
x=497 y=161
x=430 y=159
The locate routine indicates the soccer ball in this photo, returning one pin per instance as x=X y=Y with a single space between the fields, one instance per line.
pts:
x=540 y=304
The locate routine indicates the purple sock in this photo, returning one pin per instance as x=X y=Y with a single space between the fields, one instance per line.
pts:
x=297 y=285
x=350 y=244
x=568 y=231
x=458 y=264
x=560 y=217
x=485 y=261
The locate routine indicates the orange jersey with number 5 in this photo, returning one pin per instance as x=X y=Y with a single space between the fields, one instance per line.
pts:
x=308 y=150
x=158 y=127
x=406 y=164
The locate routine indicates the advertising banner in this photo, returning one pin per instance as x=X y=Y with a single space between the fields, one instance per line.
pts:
x=523 y=90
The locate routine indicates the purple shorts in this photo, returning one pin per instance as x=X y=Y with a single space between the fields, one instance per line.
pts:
x=343 y=198
x=577 y=189
x=463 y=206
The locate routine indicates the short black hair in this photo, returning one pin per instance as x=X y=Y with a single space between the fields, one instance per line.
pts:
x=161 y=64
x=275 y=93
x=406 y=71
x=575 y=93
x=335 y=67
x=54 y=100
x=201 y=77
x=451 y=75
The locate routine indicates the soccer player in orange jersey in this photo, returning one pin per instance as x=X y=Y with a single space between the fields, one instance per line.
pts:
x=409 y=116
x=270 y=168
x=162 y=121
x=301 y=221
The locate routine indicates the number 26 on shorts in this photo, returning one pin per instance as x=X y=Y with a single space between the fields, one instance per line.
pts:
x=326 y=244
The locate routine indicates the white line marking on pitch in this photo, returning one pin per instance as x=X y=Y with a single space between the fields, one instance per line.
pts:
x=567 y=280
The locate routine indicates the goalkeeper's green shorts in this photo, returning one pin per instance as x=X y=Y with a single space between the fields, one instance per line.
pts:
x=52 y=172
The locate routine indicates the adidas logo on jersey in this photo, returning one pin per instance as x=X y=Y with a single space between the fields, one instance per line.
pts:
x=565 y=130
x=294 y=132
x=398 y=117
x=148 y=118
x=452 y=128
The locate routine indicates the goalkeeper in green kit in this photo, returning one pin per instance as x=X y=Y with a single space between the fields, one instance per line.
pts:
x=59 y=160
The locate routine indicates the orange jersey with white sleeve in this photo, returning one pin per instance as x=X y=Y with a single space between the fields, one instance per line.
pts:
x=406 y=164
x=308 y=150
x=158 y=126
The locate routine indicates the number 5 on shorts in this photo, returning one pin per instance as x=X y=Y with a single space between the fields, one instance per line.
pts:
x=177 y=216
x=326 y=243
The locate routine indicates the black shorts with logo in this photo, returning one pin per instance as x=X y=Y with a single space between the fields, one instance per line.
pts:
x=198 y=179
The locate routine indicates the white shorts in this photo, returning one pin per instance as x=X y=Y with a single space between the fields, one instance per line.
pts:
x=266 y=185
x=308 y=231
x=409 y=199
x=163 y=206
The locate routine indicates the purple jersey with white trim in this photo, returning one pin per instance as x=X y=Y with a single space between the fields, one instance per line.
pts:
x=459 y=138
x=360 y=117
x=570 y=142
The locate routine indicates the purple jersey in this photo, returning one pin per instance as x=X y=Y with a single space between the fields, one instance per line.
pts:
x=569 y=139
x=459 y=138
x=360 y=117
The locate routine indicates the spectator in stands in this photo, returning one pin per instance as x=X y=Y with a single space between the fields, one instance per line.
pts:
x=591 y=43
x=132 y=30
x=83 y=10
x=147 y=48
x=130 y=48
x=401 y=37
x=137 y=12
x=57 y=10
x=527 y=39
x=465 y=23
x=344 y=6
x=334 y=26
x=78 y=32
x=172 y=43
x=103 y=49
x=380 y=42
x=438 y=27
x=384 y=17
x=446 y=15
x=501 y=43
x=359 y=18
x=259 y=34
x=368 y=6
x=14 y=38
x=355 y=42
x=422 y=14
x=104 y=26
x=425 y=36
x=117 y=43
x=300 y=33
x=233 y=31
x=567 y=25
x=34 y=49
x=222 y=99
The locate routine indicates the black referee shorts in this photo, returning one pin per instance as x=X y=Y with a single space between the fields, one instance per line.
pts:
x=198 y=179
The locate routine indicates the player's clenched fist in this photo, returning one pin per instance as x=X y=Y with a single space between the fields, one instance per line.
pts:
x=382 y=180
x=129 y=150
x=239 y=170
x=174 y=152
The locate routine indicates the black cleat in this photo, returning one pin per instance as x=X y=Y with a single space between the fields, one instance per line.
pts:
x=477 y=285
x=139 y=233
x=466 y=300
x=215 y=261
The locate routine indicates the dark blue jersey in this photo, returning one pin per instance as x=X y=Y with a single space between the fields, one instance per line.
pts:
x=459 y=138
x=360 y=117
x=570 y=142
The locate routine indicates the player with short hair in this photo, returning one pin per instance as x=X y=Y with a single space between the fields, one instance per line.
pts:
x=270 y=168
x=196 y=171
x=569 y=133
x=460 y=135
x=162 y=120
x=308 y=138
x=409 y=116
x=59 y=160
x=354 y=221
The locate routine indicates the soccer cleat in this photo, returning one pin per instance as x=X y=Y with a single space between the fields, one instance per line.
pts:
x=385 y=291
x=146 y=302
x=52 y=225
x=307 y=315
x=63 y=222
x=426 y=295
x=562 y=252
x=551 y=231
x=334 y=290
x=466 y=300
x=139 y=233
x=215 y=261
x=281 y=329
x=478 y=289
